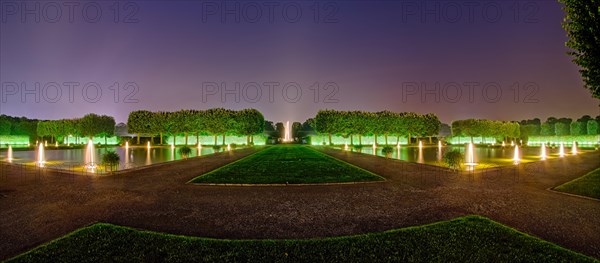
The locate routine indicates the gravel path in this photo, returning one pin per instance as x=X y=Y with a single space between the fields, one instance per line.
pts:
x=37 y=208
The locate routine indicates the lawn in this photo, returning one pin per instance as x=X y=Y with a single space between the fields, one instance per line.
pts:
x=587 y=185
x=292 y=164
x=466 y=239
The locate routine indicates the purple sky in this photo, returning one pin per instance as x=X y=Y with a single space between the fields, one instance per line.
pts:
x=372 y=51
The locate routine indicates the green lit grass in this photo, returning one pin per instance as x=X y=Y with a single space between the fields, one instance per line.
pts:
x=466 y=239
x=587 y=185
x=290 y=164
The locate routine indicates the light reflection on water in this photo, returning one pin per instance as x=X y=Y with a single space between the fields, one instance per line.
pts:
x=133 y=157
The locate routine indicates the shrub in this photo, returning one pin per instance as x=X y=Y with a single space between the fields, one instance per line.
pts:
x=387 y=150
x=453 y=159
x=233 y=146
x=185 y=151
x=111 y=159
x=216 y=147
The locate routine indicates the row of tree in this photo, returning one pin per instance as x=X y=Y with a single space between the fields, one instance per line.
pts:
x=485 y=128
x=89 y=125
x=218 y=121
x=17 y=126
x=386 y=123
x=585 y=125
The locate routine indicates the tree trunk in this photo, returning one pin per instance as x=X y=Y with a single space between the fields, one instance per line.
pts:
x=430 y=140
x=408 y=139
x=197 y=138
x=215 y=139
x=161 y=138
x=351 y=139
x=397 y=139
x=247 y=139
x=223 y=138
x=359 y=139
x=375 y=138
x=252 y=139
x=105 y=141
x=329 y=138
x=386 y=139
x=138 y=138
x=174 y=138
x=186 y=138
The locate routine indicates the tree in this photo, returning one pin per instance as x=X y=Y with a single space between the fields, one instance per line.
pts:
x=561 y=129
x=140 y=122
x=5 y=125
x=547 y=129
x=582 y=25
x=106 y=127
x=578 y=128
x=593 y=127
x=89 y=125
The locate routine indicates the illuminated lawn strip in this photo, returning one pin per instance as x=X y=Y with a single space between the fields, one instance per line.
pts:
x=470 y=238
x=587 y=185
x=290 y=164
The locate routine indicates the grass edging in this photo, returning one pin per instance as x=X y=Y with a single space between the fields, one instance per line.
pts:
x=467 y=238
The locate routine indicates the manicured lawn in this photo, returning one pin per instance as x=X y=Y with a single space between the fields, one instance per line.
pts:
x=291 y=164
x=587 y=185
x=466 y=239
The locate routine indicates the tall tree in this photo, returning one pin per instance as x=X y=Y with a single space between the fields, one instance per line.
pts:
x=582 y=24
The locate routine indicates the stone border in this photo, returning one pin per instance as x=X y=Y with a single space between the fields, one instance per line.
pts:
x=551 y=189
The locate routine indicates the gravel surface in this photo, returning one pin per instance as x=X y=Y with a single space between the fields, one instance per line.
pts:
x=36 y=208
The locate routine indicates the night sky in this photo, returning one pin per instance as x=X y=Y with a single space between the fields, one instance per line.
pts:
x=364 y=55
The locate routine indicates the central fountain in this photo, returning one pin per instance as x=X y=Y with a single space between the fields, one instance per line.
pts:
x=287 y=137
x=574 y=148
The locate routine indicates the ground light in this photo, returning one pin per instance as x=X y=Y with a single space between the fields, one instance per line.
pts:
x=574 y=148
x=346 y=146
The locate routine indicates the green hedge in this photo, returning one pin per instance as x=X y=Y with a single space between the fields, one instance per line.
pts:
x=568 y=139
x=13 y=140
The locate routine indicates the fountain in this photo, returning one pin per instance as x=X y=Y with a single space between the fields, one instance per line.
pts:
x=516 y=158
x=126 y=145
x=40 y=160
x=56 y=144
x=172 y=146
x=398 y=146
x=574 y=148
x=420 y=157
x=470 y=156
x=512 y=143
x=199 y=149
x=287 y=131
x=9 y=154
x=45 y=143
x=228 y=147
x=89 y=156
x=543 y=150
x=439 y=153
x=503 y=144
x=561 y=150
x=346 y=146
x=374 y=149
x=148 y=145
